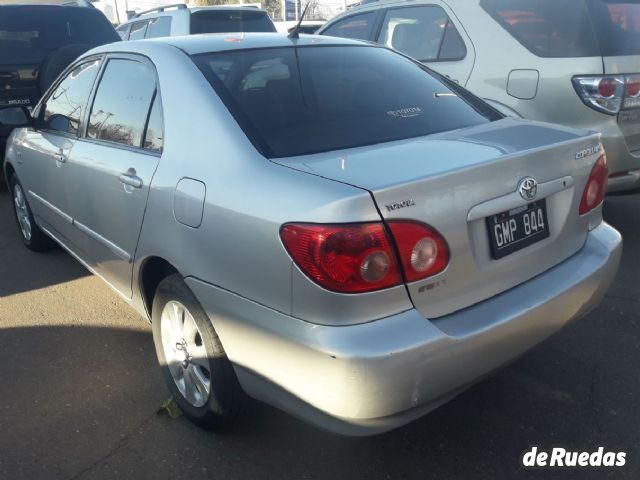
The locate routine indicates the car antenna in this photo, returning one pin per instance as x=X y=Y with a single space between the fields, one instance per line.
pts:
x=294 y=33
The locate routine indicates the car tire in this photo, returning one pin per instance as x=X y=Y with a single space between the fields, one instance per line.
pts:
x=194 y=364
x=32 y=236
x=54 y=64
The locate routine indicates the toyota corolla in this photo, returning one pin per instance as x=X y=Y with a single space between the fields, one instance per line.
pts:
x=321 y=224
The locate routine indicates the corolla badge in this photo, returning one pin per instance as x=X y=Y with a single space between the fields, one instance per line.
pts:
x=528 y=188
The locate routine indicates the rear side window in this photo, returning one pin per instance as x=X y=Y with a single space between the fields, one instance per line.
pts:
x=358 y=27
x=228 y=21
x=122 y=103
x=64 y=107
x=295 y=101
x=548 y=28
x=424 y=33
x=159 y=27
x=154 y=134
x=617 y=26
x=138 y=30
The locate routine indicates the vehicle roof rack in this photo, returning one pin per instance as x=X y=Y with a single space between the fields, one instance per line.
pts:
x=179 y=6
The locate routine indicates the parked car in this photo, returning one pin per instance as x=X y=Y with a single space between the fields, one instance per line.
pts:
x=37 y=42
x=174 y=20
x=317 y=223
x=574 y=62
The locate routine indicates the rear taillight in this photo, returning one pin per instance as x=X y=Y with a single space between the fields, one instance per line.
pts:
x=346 y=258
x=609 y=94
x=596 y=187
x=632 y=92
x=422 y=249
x=604 y=94
x=358 y=258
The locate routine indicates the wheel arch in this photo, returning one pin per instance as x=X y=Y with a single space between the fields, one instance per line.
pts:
x=153 y=270
x=8 y=172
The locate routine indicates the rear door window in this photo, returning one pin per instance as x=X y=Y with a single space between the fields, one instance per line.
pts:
x=425 y=33
x=64 y=107
x=122 y=103
x=154 y=133
x=548 y=28
x=228 y=21
x=123 y=31
x=295 y=101
x=138 y=30
x=359 y=27
x=159 y=27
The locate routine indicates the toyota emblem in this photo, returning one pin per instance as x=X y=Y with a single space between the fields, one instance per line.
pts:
x=528 y=188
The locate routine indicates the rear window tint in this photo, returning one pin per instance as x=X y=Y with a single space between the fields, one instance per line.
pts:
x=229 y=21
x=617 y=26
x=548 y=28
x=295 y=101
x=570 y=28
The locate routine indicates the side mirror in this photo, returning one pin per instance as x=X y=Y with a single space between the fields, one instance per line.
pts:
x=13 y=117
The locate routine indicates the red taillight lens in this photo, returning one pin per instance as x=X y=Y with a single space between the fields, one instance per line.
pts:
x=607 y=87
x=633 y=86
x=346 y=258
x=596 y=187
x=422 y=249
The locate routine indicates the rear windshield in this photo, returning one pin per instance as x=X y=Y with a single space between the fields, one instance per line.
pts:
x=571 y=28
x=295 y=101
x=229 y=21
x=28 y=33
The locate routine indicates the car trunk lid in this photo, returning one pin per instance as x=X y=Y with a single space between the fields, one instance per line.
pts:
x=454 y=181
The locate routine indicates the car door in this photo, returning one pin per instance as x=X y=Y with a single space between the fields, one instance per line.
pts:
x=48 y=145
x=112 y=165
x=431 y=35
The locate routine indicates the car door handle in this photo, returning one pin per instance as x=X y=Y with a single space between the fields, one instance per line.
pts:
x=130 y=178
x=60 y=157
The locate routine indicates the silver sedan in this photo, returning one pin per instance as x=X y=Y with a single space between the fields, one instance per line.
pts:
x=321 y=224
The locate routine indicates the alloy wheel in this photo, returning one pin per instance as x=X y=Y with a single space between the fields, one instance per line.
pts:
x=185 y=353
x=22 y=212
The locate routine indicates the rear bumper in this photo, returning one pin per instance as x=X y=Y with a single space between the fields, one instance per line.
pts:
x=621 y=160
x=368 y=378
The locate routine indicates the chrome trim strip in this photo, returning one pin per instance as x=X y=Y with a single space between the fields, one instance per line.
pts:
x=514 y=200
x=51 y=207
x=99 y=238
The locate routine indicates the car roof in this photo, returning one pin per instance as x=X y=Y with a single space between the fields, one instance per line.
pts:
x=180 y=11
x=46 y=6
x=220 y=42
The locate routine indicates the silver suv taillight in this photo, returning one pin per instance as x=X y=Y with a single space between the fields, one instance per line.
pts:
x=609 y=94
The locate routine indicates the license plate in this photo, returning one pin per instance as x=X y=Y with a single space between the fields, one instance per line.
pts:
x=518 y=228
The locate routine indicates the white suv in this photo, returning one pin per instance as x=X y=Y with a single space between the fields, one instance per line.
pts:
x=573 y=62
x=174 y=20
